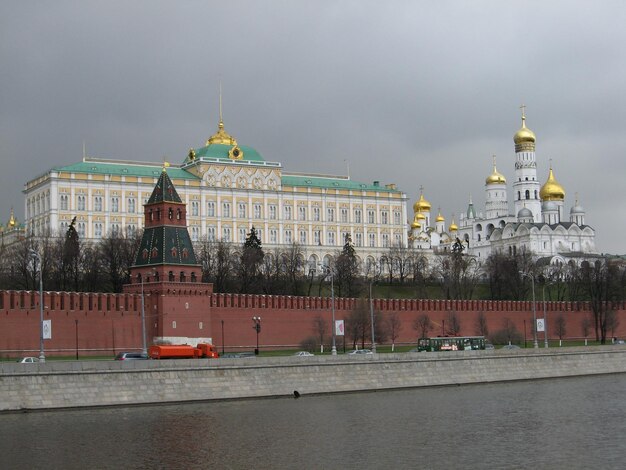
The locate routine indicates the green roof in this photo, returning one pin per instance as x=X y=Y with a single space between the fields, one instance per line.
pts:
x=125 y=169
x=165 y=245
x=332 y=183
x=164 y=190
x=221 y=151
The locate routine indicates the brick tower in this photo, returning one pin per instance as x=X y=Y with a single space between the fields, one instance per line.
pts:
x=167 y=274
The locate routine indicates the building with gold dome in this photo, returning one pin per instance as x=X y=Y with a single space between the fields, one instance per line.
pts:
x=539 y=223
x=228 y=188
x=12 y=231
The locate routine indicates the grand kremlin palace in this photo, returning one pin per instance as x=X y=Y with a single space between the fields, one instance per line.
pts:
x=228 y=188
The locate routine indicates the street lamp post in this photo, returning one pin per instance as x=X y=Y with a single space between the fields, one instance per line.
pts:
x=37 y=258
x=76 y=339
x=532 y=279
x=545 y=318
x=222 y=337
x=329 y=272
x=257 y=328
x=372 y=318
x=144 y=348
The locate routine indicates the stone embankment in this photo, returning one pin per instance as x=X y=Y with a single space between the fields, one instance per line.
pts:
x=56 y=385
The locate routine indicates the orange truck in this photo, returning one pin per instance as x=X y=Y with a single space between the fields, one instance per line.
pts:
x=183 y=351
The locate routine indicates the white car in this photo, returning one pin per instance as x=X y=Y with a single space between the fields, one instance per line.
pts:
x=303 y=354
x=360 y=351
x=28 y=360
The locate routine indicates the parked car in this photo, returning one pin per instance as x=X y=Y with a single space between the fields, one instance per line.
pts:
x=618 y=341
x=489 y=346
x=303 y=354
x=126 y=356
x=360 y=351
x=510 y=346
x=28 y=360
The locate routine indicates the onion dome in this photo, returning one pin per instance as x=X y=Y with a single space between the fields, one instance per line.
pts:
x=524 y=138
x=552 y=190
x=453 y=227
x=496 y=177
x=440 y=218
x=577 y=208
x=422 y=205
x=420 y=216
x=12 y=221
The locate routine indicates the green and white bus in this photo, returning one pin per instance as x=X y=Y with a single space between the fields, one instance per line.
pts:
x=451 y=343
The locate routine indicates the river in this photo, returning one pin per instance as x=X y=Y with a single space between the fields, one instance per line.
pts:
x=546 y=424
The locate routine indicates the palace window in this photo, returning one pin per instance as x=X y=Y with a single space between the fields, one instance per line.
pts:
x=195 y=208
x=357 y=216
x=287 y=212
x=372 y=239
x=226 y=234
x=210 y=234
x=80 y=202
x=272 y=210
x=288 y=237
x=242 y=235
x=370 y=217
x=344 y=215
x=301 y=213
x=257 y=211
x=64 y=200
x=396 y=217
x=384 y=217
x=330 y=238
x=210 y=212
x=115 y=204
x=273 y=236
x=226 y=209
x=131 y=205
x=316 y=214
x=303 y=237
x=385 y=240
x=241 y=210
x=97 y=230
x=97 y=203
x=330 y=214
x=317 y=235
x=358 y=239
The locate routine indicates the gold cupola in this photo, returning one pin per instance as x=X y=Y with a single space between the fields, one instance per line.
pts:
x=12 y=222
x=416 y=220
x=552 y=190
x=496 y=177
x=524 y=138
x=440 y=217
x=221 y=136
x=422 y=205
x=453 y=227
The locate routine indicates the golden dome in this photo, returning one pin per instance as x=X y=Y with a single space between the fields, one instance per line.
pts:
x=420 y=216
x=416 y=220
x=552 y=190
x=415 y=224
x=440 y=218
x=422 y=205
x=524 y=138
x=496 y=177
x=453 y=227
x=221 y=137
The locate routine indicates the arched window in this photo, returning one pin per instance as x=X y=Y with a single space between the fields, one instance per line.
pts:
x=151 y=219
x=527 y=194
x=182 y=276
x=171 y=276
x=138 y=278
x=170 y=213
x=156 y=276
x=519 y=195
x=193 y=277
x=535 y=194
x=179 y=214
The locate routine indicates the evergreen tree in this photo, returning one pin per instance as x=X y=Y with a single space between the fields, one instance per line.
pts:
x=347 y=280
x=249 y=263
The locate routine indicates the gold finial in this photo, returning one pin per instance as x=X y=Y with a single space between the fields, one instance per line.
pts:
x=523 y=108
x=12 y=221
x=191 y=154
x=221 y=136
x=165 y=165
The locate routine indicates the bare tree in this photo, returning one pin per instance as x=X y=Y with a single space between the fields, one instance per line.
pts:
x=457 y=273
x=394 y=326
x=293 y=268
x=320 y=327
x=509 y=334
x=612 y=322
x=481 y=327
x=423 y=325
x=560 y=327
x=453 y=325
x=585 y=326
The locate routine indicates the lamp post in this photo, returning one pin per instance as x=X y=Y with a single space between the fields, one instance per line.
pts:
x=372 y=318
x=532 y=279
x=76 y=339
x=257 y=327
x=144 y=349
x=329 y=272
x=545 y=318
x=37 y=258
x=222 y=337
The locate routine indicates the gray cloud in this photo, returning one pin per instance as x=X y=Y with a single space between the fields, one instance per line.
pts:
x=416 y=93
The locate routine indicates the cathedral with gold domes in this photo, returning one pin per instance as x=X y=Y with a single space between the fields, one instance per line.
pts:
x=539 y=223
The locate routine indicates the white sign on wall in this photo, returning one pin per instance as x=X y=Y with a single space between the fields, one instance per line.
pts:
x=47 y=329
x=540 y=324
x=339 y=328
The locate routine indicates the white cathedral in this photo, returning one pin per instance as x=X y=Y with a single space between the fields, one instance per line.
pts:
x=538 y=224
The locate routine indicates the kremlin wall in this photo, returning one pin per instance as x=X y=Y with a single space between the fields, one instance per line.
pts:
x=104 y=324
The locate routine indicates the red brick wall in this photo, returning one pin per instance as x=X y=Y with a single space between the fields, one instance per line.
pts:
x=112 y=322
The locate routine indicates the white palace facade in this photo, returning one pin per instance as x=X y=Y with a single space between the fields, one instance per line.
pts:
x=228 y=188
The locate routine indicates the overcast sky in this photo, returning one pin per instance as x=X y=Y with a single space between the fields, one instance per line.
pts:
x=413 y=93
